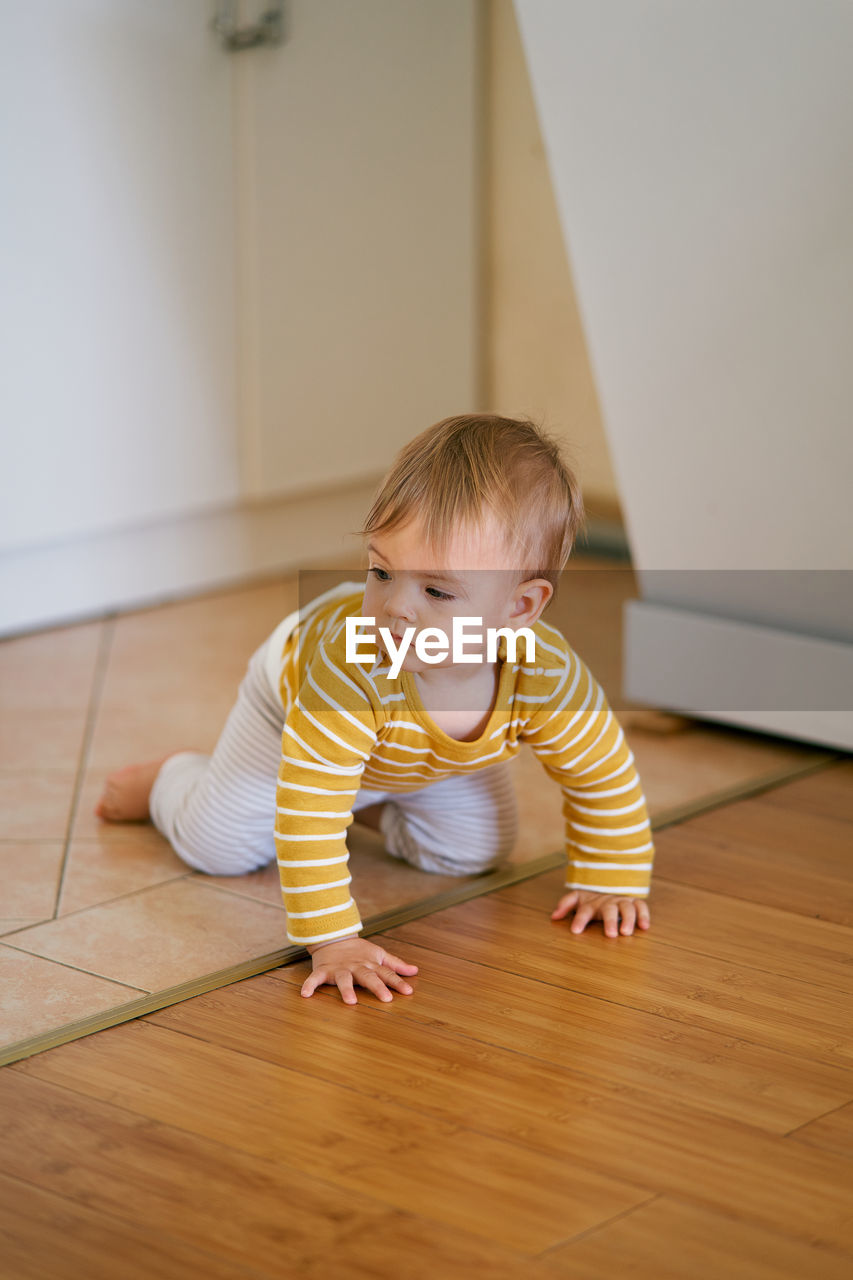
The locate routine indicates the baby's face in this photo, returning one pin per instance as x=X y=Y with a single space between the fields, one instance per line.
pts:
x=407 y=587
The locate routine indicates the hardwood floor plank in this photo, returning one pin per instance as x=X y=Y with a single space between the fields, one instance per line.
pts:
x=681 y=1150
x=245 y=1218
x=827 y=793
x=411 y=1248
x=832 y=1132
x=48 y=1237
x=762 y=851
x=643 y=972
x=249 y=1211
x=670 y=1239
x=602 y=1041
x=520 y=1199
x=597 y=1136
x=730 y=929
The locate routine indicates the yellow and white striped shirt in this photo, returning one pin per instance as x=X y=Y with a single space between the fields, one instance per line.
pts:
x=350 y=726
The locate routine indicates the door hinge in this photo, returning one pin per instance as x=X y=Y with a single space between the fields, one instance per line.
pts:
x=269 y=29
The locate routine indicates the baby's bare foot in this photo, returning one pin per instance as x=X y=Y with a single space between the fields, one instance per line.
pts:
x=126 y=792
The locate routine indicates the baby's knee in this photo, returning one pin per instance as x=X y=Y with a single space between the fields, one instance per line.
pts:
x=496 y=835
x=462 y=848
x=493 y=849
x=222 y=859
x=506 y=841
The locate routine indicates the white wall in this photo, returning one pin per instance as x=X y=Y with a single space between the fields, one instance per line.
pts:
x=702 y=157
x=117 y=307
x=227 y=281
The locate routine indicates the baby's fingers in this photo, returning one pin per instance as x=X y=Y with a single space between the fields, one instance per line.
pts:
x=371 y=979
x=398 y=965
x=565 y=905
x=393 y=980
x=582 y=917
x=610 y=917
x=313 y=981
x=629 y=916
x=347 y=990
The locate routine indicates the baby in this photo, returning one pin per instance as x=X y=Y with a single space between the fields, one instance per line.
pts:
x=416 y=739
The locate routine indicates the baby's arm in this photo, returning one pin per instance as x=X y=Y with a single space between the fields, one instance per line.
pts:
x=327 y=738
x=328 y=735
x=581 y=744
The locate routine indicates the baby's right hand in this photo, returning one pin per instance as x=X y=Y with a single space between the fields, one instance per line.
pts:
x=352 y=960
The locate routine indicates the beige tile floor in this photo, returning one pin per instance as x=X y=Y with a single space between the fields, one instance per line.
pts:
x=100 y=922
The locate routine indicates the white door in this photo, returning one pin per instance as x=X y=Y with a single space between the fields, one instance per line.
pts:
x=223 y=276
x=117 y=302
x=357 y=146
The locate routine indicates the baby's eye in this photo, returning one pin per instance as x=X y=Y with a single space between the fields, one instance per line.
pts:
x=439 y=595
x=381 y=574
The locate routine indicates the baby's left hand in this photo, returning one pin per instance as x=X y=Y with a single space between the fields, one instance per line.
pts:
x=589 y=905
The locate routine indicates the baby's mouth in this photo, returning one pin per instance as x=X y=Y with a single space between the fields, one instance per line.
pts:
x=396 y=641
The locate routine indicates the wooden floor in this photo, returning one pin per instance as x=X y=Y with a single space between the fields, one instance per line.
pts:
x=677 y=1104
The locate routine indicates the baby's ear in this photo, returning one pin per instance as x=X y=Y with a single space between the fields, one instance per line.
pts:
x=533 y=597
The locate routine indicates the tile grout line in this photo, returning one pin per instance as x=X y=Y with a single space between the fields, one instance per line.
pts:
x=75 y=968
x=204 y=983
x=105 y=902
x=98 y=680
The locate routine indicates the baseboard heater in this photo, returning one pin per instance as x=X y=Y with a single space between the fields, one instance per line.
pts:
x=741 y=673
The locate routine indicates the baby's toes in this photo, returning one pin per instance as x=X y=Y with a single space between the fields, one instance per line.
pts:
x=113 y=804
x=106 y=806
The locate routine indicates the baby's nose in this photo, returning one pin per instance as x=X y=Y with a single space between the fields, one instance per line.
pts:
x=399 y=603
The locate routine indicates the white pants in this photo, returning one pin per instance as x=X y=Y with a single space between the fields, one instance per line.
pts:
x=218 y=812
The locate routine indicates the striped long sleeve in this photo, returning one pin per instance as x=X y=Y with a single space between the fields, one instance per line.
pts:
x=327 y=739
x=582 y=746
x=348 y=727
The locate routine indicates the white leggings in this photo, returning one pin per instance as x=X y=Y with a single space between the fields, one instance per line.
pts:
x=218 y=812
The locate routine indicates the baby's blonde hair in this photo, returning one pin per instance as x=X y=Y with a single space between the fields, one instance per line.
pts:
x=456 y=470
